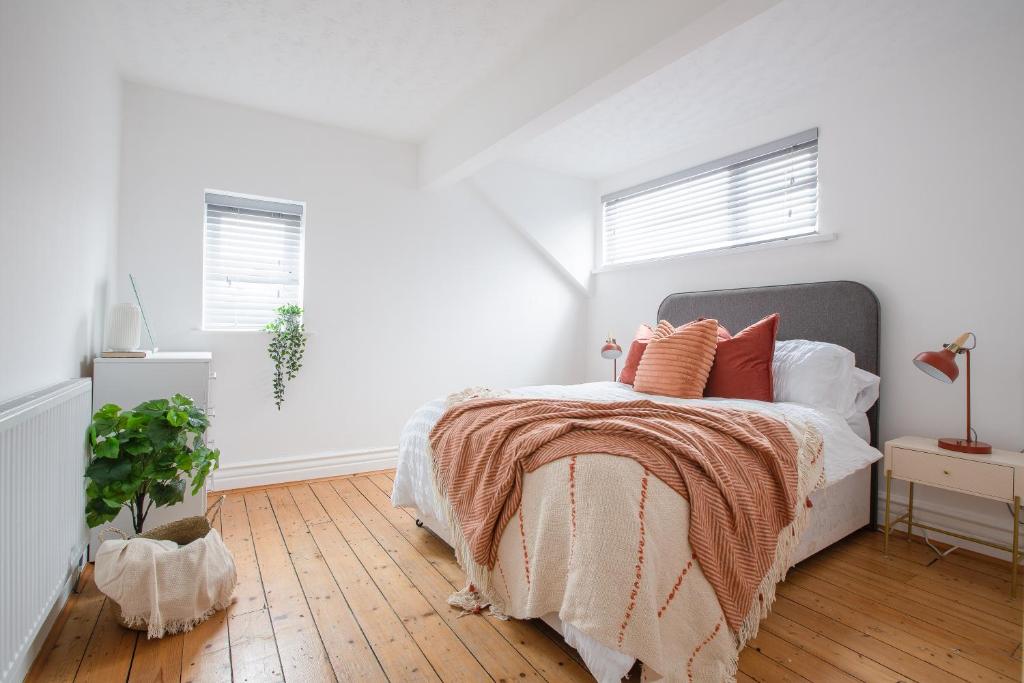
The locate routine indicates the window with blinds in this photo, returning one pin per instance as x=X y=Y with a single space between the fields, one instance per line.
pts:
x=761 y=195
x=252 y=260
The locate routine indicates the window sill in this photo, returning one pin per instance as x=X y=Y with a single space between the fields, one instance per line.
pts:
x=774 y=244
x=230 y=331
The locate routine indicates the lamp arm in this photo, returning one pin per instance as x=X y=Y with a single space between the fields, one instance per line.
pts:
x=957 y=345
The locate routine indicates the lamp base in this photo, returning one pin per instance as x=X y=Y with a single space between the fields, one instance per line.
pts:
x=965 y=446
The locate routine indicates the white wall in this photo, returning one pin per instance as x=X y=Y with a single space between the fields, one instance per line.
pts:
x=59 y=138
x=920 y=172
x=553 y=210
x=410 y=294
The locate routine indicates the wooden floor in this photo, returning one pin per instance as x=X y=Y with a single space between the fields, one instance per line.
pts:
x=335 y=583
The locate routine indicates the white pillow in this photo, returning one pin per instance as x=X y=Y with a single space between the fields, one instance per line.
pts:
x=859 y=424
x=866 y=386
x=816 y=374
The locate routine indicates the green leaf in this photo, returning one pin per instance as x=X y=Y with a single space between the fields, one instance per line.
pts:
x=108 y=412
x=182 y=401
x=105 y=471
x=161 y=434
x=138 y=446
x=185 y=460
x=104 y=426
x=155 y=408
x=166 y=493
x=177 y=418
x=135 y=421
x=108 y=448
x=97 y=512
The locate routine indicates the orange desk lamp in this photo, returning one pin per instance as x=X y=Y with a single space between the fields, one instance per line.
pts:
x=611 y=350
x=942 y=366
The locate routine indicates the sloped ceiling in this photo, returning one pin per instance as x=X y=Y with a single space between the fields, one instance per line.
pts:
x=588 y=88
x=797 y=48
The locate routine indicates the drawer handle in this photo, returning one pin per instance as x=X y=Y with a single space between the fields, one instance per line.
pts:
x=946 y=472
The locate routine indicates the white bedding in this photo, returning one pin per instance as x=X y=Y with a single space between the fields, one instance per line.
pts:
x=846 y=453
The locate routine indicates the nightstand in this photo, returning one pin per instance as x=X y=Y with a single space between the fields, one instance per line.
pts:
x=999 y=476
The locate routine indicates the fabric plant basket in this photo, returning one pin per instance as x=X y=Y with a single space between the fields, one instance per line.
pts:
x=183 y=532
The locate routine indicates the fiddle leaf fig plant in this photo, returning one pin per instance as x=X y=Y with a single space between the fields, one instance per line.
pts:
x=286 y=348
x=141 y=458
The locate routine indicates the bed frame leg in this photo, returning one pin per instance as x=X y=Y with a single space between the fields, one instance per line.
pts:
x=418 y=522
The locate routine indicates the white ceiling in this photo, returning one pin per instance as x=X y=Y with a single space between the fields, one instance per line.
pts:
x=793 y=50
x=388 y=67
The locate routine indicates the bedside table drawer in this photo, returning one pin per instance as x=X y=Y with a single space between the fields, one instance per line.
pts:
x=981 y=478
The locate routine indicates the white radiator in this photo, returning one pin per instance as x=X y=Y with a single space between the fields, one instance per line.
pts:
x=43 y=535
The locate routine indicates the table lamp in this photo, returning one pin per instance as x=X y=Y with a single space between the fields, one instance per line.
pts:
x=942 y=366
x=612 y=350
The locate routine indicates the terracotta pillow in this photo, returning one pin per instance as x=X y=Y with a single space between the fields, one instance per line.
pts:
x=677 y=361
x=636 y=351
x=743 y=363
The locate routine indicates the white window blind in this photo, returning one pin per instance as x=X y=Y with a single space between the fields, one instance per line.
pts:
x=764 y=194
x=252 y=261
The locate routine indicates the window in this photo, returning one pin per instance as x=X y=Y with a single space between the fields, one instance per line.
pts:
x=764 y=194
x=252 y=260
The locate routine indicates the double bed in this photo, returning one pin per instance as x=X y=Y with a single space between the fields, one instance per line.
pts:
x=842 y=313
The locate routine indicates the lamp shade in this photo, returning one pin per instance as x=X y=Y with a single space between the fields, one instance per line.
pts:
x=611 y=349
x=939 y=364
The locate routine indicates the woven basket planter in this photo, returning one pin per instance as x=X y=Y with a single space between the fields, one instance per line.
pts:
x=182 y=532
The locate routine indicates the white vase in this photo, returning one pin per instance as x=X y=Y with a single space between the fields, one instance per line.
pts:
x=124 y=328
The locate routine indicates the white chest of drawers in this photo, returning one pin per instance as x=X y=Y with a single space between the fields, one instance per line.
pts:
x=998 y=476
x=128 y=382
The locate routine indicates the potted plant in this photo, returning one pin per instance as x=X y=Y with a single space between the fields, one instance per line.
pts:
x=141 y=458
x=286 y=347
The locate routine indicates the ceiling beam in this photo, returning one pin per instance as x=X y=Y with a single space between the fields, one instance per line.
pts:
x=569 y=69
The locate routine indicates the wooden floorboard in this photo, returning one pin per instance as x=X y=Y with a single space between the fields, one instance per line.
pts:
x=335 y=584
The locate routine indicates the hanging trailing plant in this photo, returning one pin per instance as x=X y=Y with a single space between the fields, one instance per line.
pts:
x=287 y=344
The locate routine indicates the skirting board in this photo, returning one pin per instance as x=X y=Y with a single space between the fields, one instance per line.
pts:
x=981 y=526
x=282 y=470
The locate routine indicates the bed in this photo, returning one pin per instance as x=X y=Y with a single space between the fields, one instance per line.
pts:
x=843 y=313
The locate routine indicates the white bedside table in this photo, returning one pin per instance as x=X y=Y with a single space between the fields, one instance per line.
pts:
x=999 y=476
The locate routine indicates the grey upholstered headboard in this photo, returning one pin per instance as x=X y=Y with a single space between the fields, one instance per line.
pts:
x=840 y=312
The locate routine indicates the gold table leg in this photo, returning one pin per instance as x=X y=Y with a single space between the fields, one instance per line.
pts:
x=910 y=512
x=1016 y=546
x=888 y=491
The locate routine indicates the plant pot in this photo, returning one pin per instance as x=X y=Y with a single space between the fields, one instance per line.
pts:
x=182 y=532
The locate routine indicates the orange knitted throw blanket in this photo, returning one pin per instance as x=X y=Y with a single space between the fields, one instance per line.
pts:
x=736 y=468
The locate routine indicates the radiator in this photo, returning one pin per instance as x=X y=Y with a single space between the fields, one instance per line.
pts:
x=43 y=535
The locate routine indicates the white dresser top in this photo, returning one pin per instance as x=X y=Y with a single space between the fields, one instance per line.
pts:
x=163 y=357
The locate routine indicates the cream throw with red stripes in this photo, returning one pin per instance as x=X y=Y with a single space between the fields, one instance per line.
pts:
x=727 y=488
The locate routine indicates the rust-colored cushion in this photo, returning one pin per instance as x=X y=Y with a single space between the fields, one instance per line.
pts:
x=743 y=363
x=677 y=361
x=636 y=351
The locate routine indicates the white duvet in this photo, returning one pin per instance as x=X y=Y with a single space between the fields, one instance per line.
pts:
x=845 y=452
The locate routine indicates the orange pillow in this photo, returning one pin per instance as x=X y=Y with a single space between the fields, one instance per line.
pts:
x=636 y=351
x=743 y=364
x=677 y=361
